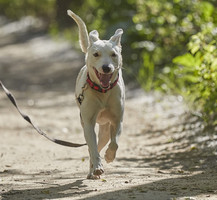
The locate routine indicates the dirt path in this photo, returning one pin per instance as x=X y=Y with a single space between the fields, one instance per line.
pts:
x=163 y=154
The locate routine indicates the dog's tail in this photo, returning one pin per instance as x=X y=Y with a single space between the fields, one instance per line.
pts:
x=83 y=34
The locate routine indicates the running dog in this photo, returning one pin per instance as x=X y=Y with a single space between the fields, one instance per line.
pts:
x=100 y=94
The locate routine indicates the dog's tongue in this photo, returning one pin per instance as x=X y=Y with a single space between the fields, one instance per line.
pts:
x=105 y=80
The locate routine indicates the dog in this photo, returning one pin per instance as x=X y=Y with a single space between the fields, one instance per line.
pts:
x=100 y=94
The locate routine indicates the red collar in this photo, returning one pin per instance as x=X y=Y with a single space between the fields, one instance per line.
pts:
x=98 y=88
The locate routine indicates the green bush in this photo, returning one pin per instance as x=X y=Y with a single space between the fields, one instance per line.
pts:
x=14 y=9
x=198 y=70
x=161 y=30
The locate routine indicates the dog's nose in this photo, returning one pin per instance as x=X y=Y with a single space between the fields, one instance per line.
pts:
x=106 y=69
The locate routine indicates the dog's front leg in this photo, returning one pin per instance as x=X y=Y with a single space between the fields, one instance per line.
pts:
x=113 y=146
x=96 y=168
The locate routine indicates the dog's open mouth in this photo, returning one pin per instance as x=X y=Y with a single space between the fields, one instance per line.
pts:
x=105 y=79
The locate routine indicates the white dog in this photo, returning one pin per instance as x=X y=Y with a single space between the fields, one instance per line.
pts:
x=100 y=94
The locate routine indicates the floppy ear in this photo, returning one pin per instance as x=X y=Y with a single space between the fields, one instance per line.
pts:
x=93 y=36
x=116 y=38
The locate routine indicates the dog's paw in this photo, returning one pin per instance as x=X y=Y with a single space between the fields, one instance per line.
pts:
x=92 y=176
x=111 y=153
x=96 y=174
x=98 y=171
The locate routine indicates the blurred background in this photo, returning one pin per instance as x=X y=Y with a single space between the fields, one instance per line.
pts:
x=168 y=45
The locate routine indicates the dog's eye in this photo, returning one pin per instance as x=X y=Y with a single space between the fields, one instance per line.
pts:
x=114 y=55
x=96 y=55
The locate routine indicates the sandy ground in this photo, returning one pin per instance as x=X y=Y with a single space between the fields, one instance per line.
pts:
x=163 y=153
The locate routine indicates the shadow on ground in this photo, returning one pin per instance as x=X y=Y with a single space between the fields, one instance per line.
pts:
x=183 y=186
x=56 y=191
x=170 y=188
x=189 y=147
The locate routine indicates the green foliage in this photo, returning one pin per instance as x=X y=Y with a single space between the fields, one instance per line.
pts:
x=199 y=72
x=167 y=26
x=146 y=72
x=15 y=9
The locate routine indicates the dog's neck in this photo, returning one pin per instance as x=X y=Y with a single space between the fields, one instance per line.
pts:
x=98 y=88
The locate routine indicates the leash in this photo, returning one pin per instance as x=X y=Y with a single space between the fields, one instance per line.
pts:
x=27 y=118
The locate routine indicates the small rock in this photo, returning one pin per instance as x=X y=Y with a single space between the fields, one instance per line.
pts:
x=126 y=182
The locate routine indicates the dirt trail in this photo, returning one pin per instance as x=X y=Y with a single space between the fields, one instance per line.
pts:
x=163 y=154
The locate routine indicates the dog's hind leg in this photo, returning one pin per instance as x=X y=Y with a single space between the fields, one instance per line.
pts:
x=104 y=136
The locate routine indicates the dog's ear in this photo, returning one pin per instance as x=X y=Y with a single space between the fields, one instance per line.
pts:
x=93 y=36
x=116 y=38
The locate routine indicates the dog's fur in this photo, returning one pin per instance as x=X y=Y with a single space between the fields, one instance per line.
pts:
x=103 y=64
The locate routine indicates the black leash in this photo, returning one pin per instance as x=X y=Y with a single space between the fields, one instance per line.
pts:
x=27 y=118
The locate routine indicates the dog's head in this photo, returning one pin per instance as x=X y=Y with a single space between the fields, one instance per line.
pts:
x=104 y=58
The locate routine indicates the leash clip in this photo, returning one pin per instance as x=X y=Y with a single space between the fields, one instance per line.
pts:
x=80 y=98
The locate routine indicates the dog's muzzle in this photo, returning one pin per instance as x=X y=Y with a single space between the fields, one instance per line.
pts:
x=105 y=77
x=99 y=88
